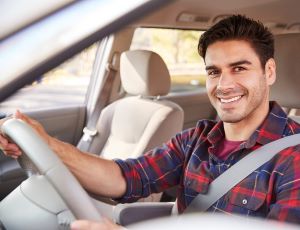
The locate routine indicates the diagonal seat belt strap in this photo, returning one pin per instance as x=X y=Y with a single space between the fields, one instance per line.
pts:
x=90 y=129
x=240 y=170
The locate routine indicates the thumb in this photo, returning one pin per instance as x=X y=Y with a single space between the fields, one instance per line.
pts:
x=18 y=114
x=22 y=116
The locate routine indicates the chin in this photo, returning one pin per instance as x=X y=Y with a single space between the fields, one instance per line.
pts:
x=231 y=118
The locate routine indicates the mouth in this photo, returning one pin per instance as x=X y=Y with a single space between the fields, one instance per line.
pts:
x=230 y=100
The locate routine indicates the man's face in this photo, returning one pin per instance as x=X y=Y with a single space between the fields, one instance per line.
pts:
x=237 y=85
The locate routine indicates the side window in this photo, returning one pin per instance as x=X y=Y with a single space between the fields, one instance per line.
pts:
x=65 y=85
x=178 y=48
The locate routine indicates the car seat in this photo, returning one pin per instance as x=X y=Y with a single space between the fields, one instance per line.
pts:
x=140 y=121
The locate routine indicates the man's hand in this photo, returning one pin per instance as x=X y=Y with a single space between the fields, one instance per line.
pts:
x=92 y=225
x=11 y=149
x=83 y=165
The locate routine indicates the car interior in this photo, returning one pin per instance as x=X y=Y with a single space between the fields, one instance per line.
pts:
x=130 y=126
x=144 y=82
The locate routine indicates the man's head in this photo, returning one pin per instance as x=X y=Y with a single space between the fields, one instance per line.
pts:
x=238 y=54
x=238 y=27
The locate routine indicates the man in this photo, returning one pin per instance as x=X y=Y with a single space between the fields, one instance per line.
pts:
x=238 y=54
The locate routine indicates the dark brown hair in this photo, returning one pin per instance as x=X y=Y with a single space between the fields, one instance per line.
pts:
x=238 y=27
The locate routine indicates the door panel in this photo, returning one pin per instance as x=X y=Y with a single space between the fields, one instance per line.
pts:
x=65 y=123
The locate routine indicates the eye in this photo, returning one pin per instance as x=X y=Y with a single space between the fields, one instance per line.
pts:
x=213 y=73
x=238 y=69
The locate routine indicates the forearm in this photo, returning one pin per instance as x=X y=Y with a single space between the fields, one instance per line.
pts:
x=97 y=175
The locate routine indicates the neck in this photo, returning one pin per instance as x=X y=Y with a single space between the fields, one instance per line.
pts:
x=243 y=129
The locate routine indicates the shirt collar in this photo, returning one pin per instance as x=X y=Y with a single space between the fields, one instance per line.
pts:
x=216 y=133
x=271 y=129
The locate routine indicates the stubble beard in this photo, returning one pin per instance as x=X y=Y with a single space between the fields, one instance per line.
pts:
x=257 y=99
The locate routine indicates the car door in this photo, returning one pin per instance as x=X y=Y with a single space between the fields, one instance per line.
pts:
x=62 y=99
x=58 y=100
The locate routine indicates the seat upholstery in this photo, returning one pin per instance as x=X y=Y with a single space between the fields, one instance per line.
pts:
x=129 y=127
x=286 y=88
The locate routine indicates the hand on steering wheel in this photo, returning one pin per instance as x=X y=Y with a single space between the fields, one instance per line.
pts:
x=30 y=138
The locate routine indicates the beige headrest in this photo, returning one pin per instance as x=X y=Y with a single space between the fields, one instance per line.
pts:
x=286 y=90
x=144 y=73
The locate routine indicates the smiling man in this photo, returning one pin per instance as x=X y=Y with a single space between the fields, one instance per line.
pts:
x=238 y=86
x=238 y=54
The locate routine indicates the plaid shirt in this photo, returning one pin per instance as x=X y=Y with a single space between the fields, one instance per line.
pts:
x=189 y=161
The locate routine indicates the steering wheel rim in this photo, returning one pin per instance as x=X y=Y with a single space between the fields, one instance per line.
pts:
x=49 y=165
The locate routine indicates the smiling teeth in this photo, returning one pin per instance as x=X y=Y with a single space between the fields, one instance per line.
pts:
x=230 y=100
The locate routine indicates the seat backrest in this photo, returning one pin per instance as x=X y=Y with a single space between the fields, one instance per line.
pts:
x=141 y=121
x=286 y=90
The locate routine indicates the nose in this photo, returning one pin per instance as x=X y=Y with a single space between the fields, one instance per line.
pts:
x=226 y=82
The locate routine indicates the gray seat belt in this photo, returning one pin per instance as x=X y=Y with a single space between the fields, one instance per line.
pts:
x=237 y=172
x=90 y=131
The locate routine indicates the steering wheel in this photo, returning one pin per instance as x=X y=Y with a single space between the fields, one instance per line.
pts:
x=51 y=167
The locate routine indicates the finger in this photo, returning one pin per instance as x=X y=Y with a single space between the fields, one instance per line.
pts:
x=10 y=149
x=14 y=157
x=33 y=123
x=81 y=225
x=12 y=153
x=17 y=152
x=3 y=141
x=21 y=116
x=17 y=114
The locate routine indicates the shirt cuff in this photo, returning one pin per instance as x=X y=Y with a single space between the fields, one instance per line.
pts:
x=133 y=182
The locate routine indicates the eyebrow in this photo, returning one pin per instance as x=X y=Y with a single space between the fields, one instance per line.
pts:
x=211 y=67
x=242 y=62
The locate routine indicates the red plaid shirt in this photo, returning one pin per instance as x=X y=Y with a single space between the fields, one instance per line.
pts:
x=189 y=161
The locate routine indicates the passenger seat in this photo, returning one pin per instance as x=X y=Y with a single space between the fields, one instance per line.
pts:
x=129 y=127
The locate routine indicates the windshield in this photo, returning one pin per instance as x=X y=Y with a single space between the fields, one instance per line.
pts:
x=25 y=52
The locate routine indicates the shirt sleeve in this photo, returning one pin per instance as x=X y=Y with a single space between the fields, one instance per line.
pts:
x=287 y=204
x=157 y=170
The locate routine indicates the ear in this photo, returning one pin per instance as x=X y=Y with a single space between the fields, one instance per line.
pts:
x=270 y=71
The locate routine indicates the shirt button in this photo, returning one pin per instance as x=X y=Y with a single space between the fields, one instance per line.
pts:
x=245 y=201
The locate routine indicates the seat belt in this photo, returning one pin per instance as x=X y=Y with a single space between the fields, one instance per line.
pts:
x=90 y=131
x=239 y=171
